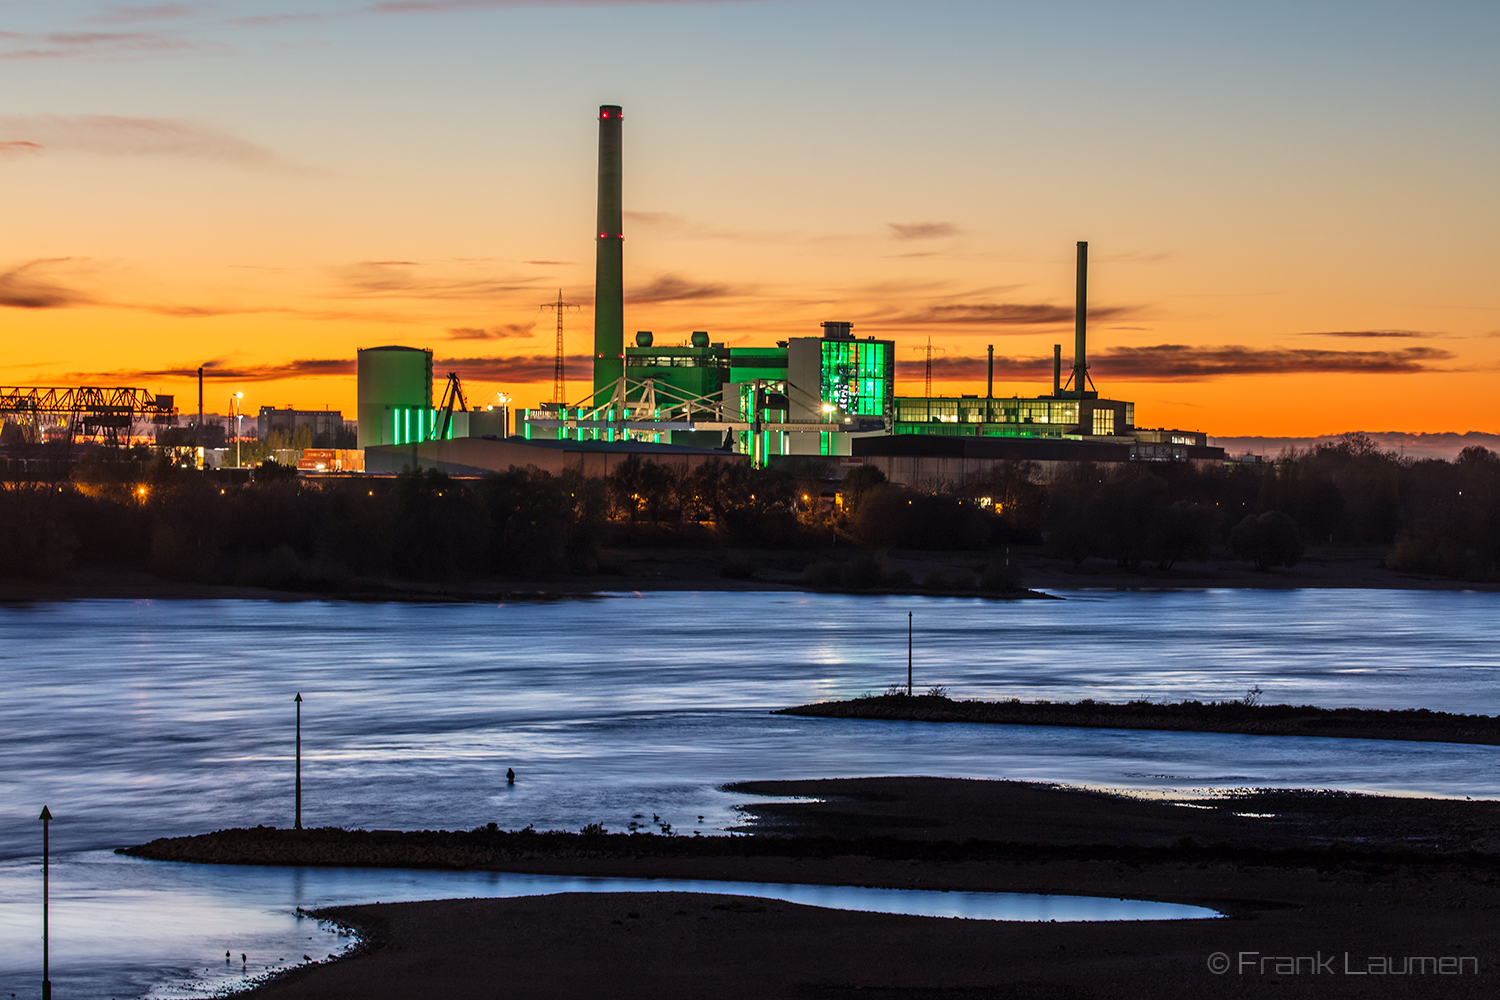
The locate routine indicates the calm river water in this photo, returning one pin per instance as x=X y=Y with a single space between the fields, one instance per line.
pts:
x=133 y=720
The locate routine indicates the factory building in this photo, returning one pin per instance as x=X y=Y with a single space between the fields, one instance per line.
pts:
x=828 y=395
x=321 y=424
x=805 y=396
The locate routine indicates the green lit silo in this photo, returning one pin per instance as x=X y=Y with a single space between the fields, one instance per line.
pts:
x=391 y=379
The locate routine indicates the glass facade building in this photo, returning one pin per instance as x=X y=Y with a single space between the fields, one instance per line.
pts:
x=859 y=376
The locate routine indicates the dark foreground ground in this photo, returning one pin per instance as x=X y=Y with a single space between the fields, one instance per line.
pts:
x=1328 y=887
x=1417 y=724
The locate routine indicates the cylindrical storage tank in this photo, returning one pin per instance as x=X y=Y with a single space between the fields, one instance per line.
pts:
x=390 y=377
x=700 y=338
x=643 y=338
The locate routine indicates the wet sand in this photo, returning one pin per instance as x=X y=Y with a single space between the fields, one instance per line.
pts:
x=1424 y=881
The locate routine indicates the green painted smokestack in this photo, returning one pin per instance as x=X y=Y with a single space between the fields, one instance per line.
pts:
x=609 y=277
x=1080 y=321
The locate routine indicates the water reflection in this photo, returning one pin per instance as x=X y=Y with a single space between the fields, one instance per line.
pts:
x=125 y=927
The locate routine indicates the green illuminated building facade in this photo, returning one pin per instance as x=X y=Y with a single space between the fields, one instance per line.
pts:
x=1015 y=416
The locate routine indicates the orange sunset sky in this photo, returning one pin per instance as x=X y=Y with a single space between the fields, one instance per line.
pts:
x=1292 y=208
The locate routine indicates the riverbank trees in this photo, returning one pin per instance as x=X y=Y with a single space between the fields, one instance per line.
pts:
x=1429 y=517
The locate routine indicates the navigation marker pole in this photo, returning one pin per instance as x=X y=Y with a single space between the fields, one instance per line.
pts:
x=299 y=762
x=908 y=654
x=46 y=819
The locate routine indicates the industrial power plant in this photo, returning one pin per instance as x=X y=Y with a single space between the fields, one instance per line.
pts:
x=830 y=395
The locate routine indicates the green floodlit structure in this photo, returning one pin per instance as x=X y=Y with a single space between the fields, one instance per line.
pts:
x=805 y=396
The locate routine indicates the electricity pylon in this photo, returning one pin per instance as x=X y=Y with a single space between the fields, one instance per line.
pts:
x=558 y=388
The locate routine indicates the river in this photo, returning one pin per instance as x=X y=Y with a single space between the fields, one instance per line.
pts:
x=138 y=719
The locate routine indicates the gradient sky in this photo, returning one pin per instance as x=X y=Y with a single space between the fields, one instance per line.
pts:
x=1293 y=208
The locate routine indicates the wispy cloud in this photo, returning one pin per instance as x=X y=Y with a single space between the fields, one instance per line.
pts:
x=921 y=230
x=1374 y=334
x=1018 y=314
x=446 y=6
x=410 y=279
x=677 y=225
x=26 y=46
x=304 y=368
x=671 y=288
x=114 y=135
x=17 y=149
x=31 y=286
x=505 y=331
x=138 y=15
x=520 y=368
x=1184 y=363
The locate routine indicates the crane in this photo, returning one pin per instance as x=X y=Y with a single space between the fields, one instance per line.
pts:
x=453 y=393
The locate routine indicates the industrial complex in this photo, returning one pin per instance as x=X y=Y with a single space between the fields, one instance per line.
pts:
x=830 y=394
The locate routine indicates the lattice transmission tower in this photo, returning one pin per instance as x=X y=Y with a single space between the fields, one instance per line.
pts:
x=929 y=349
x=558 y=379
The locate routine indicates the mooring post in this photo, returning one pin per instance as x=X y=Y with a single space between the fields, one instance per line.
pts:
x=46 y=819
x=298 y=825
x=908 y=654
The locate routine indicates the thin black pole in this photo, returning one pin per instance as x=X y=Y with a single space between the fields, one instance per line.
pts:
x=908 y=654
x=46 y=819
x=299 y=760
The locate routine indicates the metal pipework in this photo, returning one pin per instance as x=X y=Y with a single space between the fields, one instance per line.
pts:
x=609 y=275
x=1080 y=321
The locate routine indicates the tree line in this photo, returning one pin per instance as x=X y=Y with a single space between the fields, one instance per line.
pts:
x=1427 y=516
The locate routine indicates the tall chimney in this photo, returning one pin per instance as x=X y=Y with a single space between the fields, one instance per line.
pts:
x=989 y=392
x=1056 y=370
x=1080 y=321
x=609 y=276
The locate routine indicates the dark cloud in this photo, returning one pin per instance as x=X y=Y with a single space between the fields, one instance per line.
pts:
x=223 y=370
x=114 y=135
x=505 y=331
x=1174 y=362
x=671 y=288
x=408 y=279
x=1001 y=314
x=1400 y=334
x=520 y=368
x=921 y=230
x=26 y=286
x=1182 y=363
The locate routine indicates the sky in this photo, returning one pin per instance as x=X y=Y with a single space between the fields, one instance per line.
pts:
x=1292 y=208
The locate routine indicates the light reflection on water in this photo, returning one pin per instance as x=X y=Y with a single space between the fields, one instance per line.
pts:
x=125 y=927
x=133 y=720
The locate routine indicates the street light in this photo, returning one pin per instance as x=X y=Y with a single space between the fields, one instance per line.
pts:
x=236 y=410
x=504 y=400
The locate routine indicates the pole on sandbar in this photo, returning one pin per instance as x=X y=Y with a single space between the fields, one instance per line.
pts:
x=908 y=654
x=298 y=825
x=46 y=819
